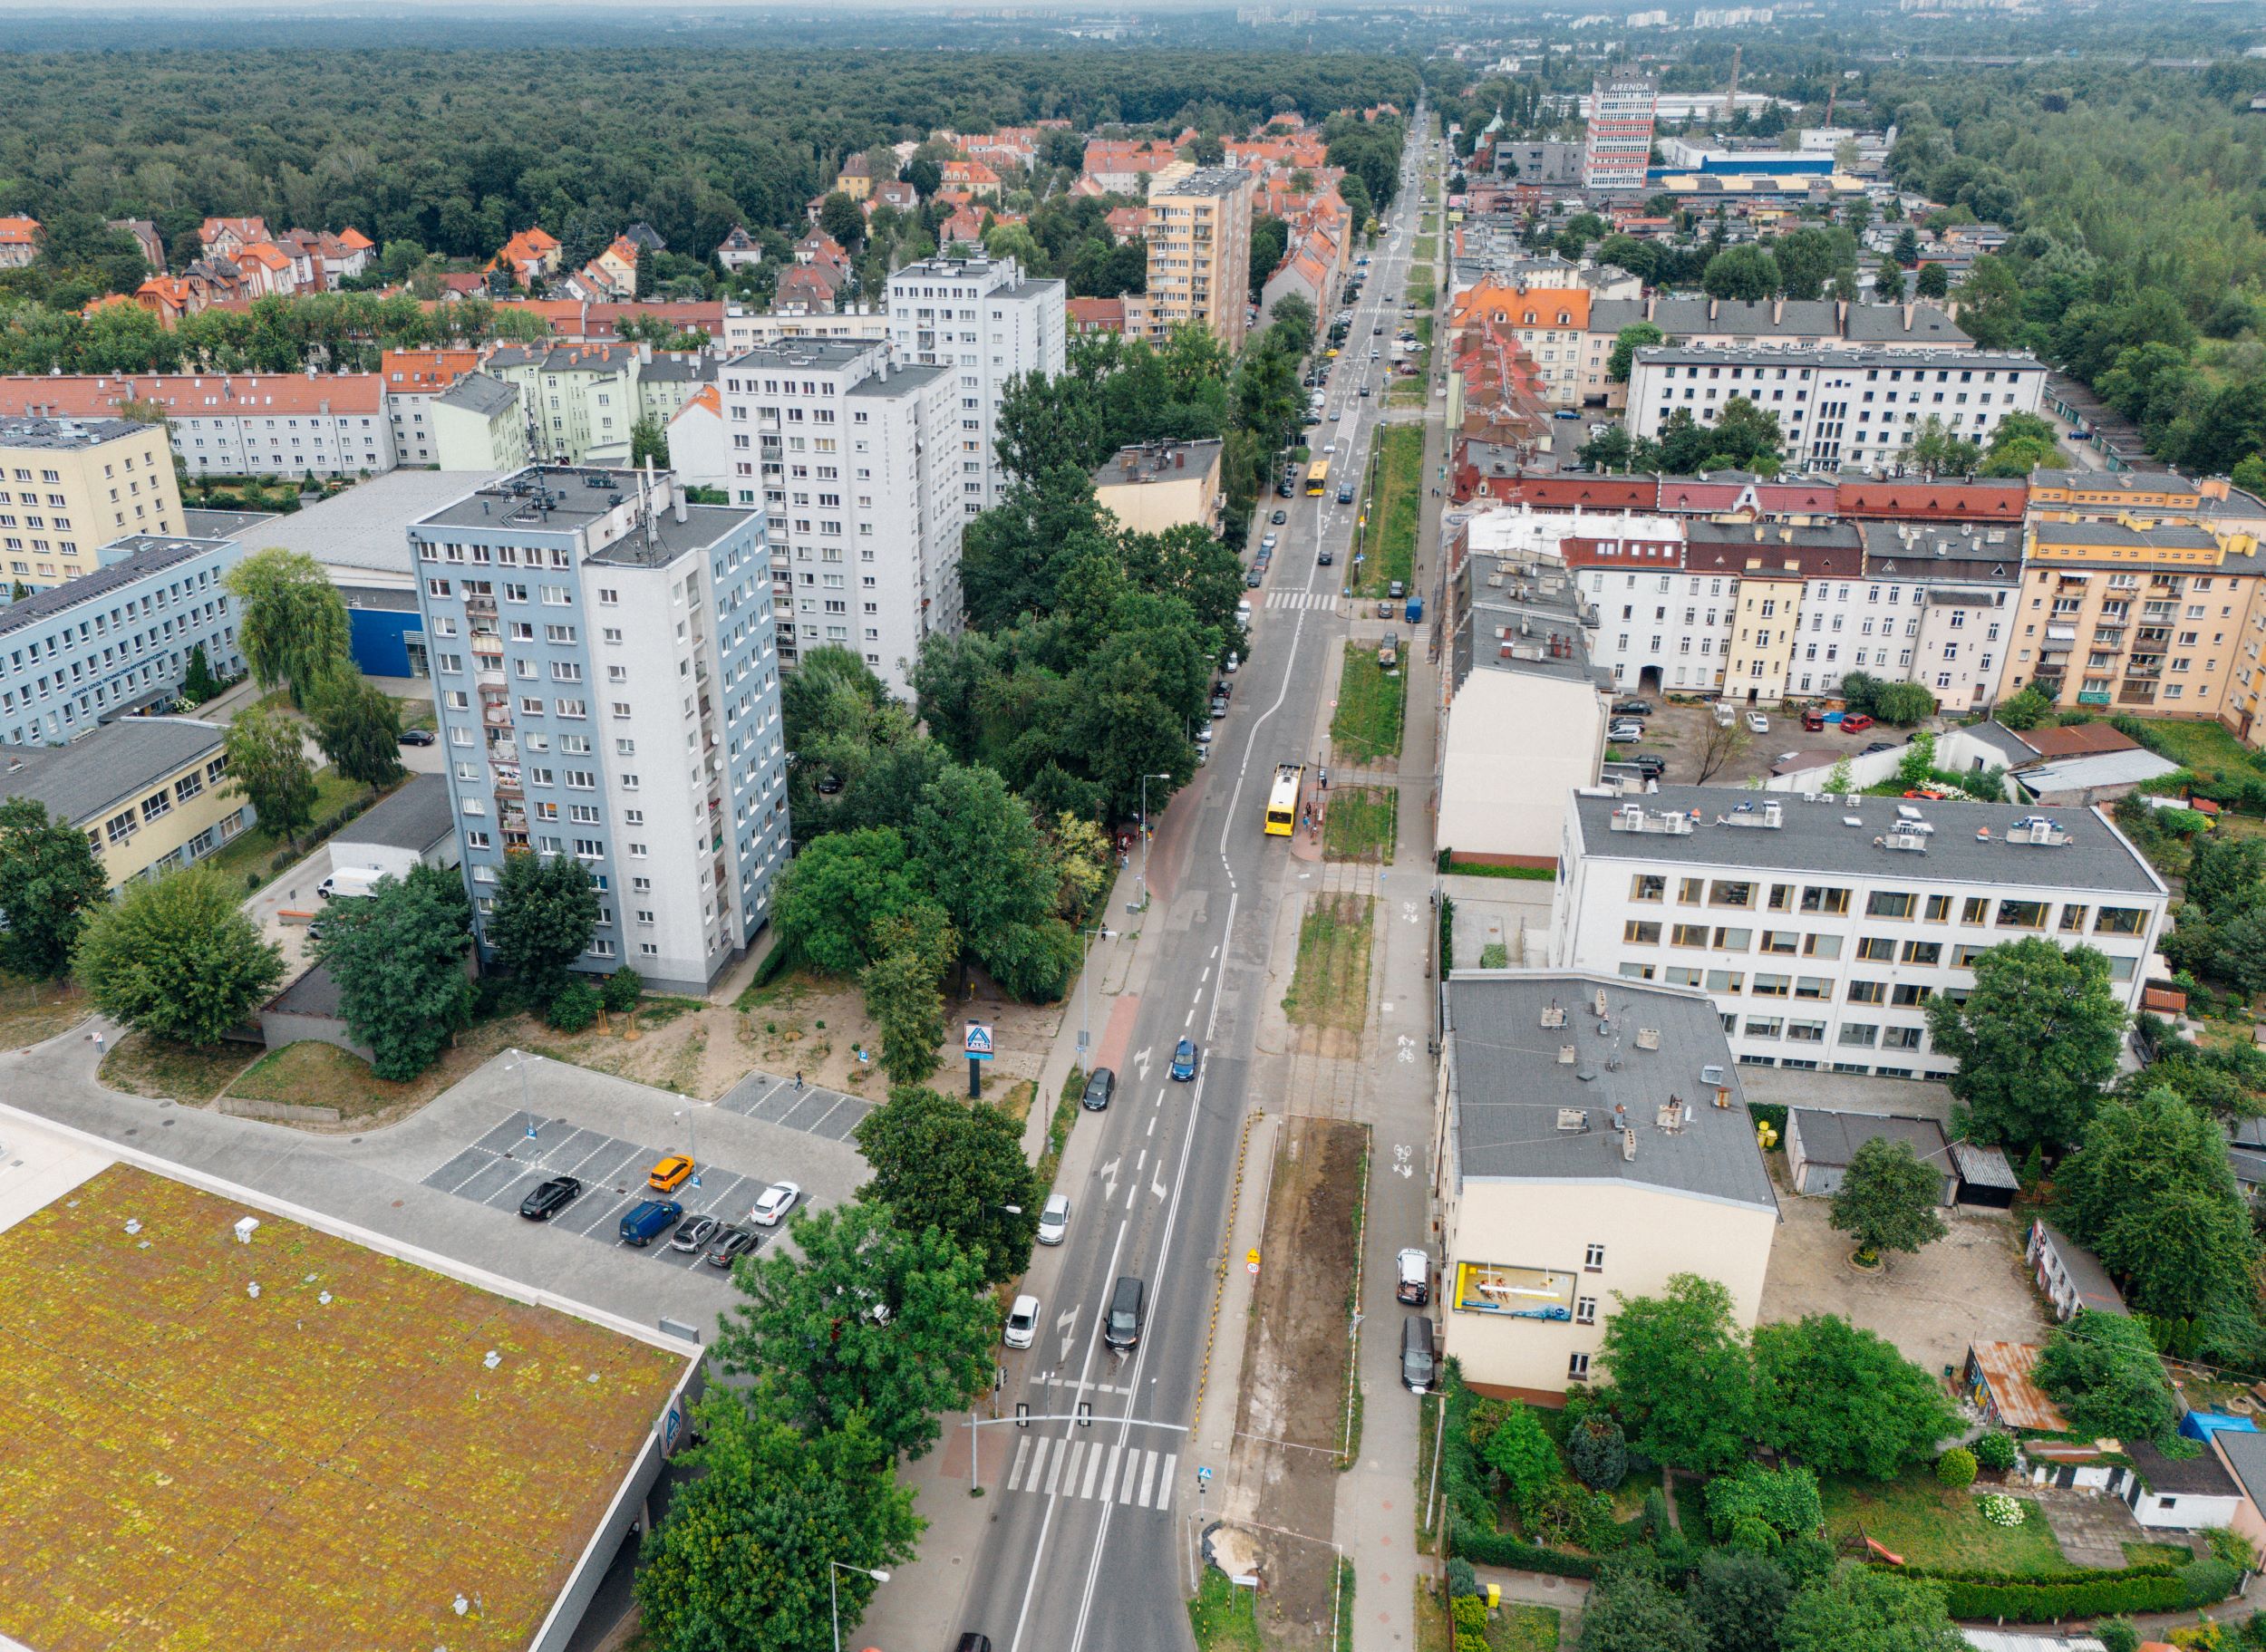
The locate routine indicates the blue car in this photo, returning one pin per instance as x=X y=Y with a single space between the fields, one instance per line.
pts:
x=1184 y=1059
x=648 y=1220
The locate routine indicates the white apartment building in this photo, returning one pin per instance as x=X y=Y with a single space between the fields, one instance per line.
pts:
x=1837 y=409
x=232 y=424
x=1930 y=607
x=1822 y=926
x=607 y=687
x=1618 y=151
x=986 y=323
x=855 y=462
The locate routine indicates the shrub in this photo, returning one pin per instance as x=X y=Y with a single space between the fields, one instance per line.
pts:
x=1471 y=1643
x=1955 y=1468
x=1598 y=1451
x=1469 y=1613
x=1461 y=1580
x=574 y=1007
x=1753 y=1535
x=1485 y=1548
x=2231 y=1547
x=2116 y=1635
x=1995 y=1451
x=1785 y=1500
x=2000 y=1510
x=623 y=989
x=1902 y=703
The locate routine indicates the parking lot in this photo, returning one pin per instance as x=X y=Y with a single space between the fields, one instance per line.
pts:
x=1678 y=734
x=781 y=1101
x=508 y=1163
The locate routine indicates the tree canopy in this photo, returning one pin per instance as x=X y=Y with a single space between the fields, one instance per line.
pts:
x=2036 y=1041
x=955 y=1166
x=398 y=959
x=1681 y=1375
x=177 y=958
x=50 y=882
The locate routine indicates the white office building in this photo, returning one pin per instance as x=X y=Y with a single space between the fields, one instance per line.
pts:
x=1821 y=926
x=1617 y=150
x=607 y=685
x=1837 y=409
x=985 y=322
x=855 y=462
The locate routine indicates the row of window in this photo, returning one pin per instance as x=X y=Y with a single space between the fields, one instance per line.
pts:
x=1834 y=901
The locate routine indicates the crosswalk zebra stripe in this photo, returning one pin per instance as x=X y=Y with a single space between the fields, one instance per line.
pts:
x=1109 y=1474
x=1014 y=1473
x=1093 y=1470
x=1149 y=1476
x=1062 y=1449
x=1164 y=1487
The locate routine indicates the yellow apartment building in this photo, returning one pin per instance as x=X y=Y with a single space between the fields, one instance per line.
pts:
x=1199 y=252
x=150 y=793
x=69 y=485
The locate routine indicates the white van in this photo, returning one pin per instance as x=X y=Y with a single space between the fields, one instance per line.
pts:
x=350 y=882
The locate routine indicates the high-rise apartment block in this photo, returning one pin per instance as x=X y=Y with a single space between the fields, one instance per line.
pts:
x=1199 y=252
x=608 y=684
x=855 y=462
x=985 y=322
x=69 y=485
x=1618 y=148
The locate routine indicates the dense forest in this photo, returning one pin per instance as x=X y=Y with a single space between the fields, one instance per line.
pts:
x=456 y=150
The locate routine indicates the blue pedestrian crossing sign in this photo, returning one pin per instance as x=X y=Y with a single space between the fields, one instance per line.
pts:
x=979 y=1041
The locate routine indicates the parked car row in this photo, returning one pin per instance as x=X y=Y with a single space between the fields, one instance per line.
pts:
x=652 y=1219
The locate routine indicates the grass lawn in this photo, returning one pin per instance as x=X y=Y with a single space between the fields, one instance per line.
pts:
x=1330 y=987
x=1537 y=874
x=1393 y=509
x=143 y=1065
x=1361 y=823
x=2204 y=746
x=1366 y=726
x=249 y=853
x=311 y=1074
x=35 y=1011
x=1425 y=247
x=1931 y=1525
x=1519 y=1627
x=416 y=713
x=1224 y=1617
x=1424 y=330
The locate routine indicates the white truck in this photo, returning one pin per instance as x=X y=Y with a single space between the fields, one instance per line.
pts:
x=347 y=882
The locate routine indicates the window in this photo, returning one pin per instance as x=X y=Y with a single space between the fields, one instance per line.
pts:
x=1806 y=1032
x=1726 y=980
x=1781 y=941
x=1868 y=991
x=1876 y=948
x=1594 y=1259
x=1923 y=951
x=1764 y=1026
x=1584 y=1310
x=1733 y=940
x=1689 y=934
x=1909 y=997
x=1821 y=946
x=1773 y=986
x=1889 y=903
x=1641 y=934
x=1725 y=893
x=1578 y=1368
x=2120 y=921
x=1939 y=909
x=1813 y=985
x=1824 y=900
x=1692 y=891
x=2021 y=914
x=1899 y=1037
x=1974 y=909
x=1647 y=887
x=1859 y=1034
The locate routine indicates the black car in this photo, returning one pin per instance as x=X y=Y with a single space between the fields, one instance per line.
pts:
x=1649 y=764
x=554 y=1196
x=1279 y=517
x=1101 y=1086
x=731 y=1245
x=1251 y=580
x=1632 y=708
x=1878 y=746
x=417 y=737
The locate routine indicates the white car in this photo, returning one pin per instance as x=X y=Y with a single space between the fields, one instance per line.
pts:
x=776 y=1200
x=1624 y=734
x=1269 y=542
x=1204 y=735
x=1023 y=1323
x=1757 y=723
x=1054 y=1219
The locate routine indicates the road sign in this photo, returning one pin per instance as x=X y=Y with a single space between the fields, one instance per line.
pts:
x=979 y=1044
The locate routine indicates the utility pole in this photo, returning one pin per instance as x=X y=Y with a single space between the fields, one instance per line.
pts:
x=1146 y=833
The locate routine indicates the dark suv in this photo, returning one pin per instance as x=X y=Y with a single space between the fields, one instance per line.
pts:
x=1101 y=1086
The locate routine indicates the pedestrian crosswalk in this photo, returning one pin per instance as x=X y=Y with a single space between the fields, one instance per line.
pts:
x=1327 y=601
x=1094 y=1470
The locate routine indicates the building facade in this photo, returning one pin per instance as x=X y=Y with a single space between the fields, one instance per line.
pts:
x=1837 y=409
x=117 y=640
x=580 y=400
x=70 y=485
x=232 y=424
x=1821 y=928
x=478 y=423
x=150 y=793
x=1617 y=153
x=607 y=687
x=1199 y=253
x=855 y=462
x=986 y=323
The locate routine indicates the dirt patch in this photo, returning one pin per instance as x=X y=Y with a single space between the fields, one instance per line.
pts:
x=1290 y=1408
x=1328 y=1002
x=817 y=1026
x=33 y=1011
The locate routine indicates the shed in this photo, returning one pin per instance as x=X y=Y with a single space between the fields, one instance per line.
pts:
x=1821 y=1145
x=2179 y=1494
x=1985 y=1178
x=414 y=826
x=308 y=1007
x=2243 y=1455
x=1998 y=1384
x=2070 y=1275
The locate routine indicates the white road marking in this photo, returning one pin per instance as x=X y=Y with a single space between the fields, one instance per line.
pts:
x=1015 y=1472
x=1149 y=1477
x=1132 y=1471
x=1164 y=1481
x=1093 y=1469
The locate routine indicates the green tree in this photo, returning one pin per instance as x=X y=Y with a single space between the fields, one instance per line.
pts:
x=1598 y=1451
x=198 y=683
x=995 y=877
x=1747 y=273
x=293 y=628
x=741 y=1560
x=358 y=725
x=174 y=957
x=954 y=1166
x=842 y=219
x=1887 y=1200
x=1737 y=1598
x=1903 y=704
x=863 y=1316
x=905 y=1002
x=269 y=768
x=398 y=959
x=1844 y=1400
x=2035 y=1042
x=50 y=881
x=545 y=913
x=2019 y=444
x=833 y=897
x=1520 y=1452
x=1631 y=1612
x=1933 y=281
x=1858 y=1609
x=1627 y=341
x=1907 y=248
x=649 y=440
x=2025 y=709
x=641 y=279
x=1937 y=451
x=1681 y=1374
x=2104 y=1372
x=2151 y=1190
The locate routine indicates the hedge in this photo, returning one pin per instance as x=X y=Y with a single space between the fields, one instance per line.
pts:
x=2155 y=1566
x=2198 y=1583
x=1501 y=1548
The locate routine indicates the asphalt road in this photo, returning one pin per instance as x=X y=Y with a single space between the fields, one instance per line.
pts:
x=1086 y=1551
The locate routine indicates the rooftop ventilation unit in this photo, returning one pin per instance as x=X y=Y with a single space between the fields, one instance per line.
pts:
x=1771 y=814
x=1670 y=1115
x=1632 y=817
x=2038 y=829
x=1712 y=1073
x=1565 y=1055
x=1573 y=1119
x=1553 y=1015
x=1917 y=842
x=1597 y=1005
x=1647 y=1037
x=1629 y=1144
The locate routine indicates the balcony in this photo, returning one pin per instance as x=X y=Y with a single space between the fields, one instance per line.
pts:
x=480 y=606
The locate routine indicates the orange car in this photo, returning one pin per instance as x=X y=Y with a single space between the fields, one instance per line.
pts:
x=671 y=1174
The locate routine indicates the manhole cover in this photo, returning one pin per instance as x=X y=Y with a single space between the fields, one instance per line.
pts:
x=134 y=1130
x=357 y=1141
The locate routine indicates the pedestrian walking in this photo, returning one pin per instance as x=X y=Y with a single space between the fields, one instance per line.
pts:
x=98 y=1044
x=798 y=1079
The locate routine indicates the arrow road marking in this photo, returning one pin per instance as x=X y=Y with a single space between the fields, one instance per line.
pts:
x=1157 y=1185
x=1141 y=1061
x=1109 y=1175
x=1066 y=1324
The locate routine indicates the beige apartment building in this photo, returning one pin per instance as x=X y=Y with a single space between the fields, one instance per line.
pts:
x=1199 y=252
x=69 y=485
x=2138 y=618
x=1161 y=485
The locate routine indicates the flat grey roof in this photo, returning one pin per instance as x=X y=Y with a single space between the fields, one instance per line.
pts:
x=66 y=435
x=2094 y=1288
x=1838 y=355
x=898 y=380
x=1509 y=1085
x=2168 y=536
x=1130 y=464
x=828 y=353
x=2245 y=1452
x=476 y=392
x=2114 y=481
x=367 y=525
x=1833 y=1138
x=1209 y=180
x=415 y=817
x=1813 y=838
x=225 y=524
x=574 y=496
x=83 y=781
x=151 y=555
x=1941 y=550
x=1983 y=1166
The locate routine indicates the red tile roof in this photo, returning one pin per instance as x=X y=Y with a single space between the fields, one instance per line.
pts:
x=190 y=395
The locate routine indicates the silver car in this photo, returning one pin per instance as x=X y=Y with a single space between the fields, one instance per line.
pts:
x=1054 y=1219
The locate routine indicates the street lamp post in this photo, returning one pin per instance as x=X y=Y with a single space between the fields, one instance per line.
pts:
x=519 y=1062
x=1100 y=931
x=834 y=1591
x=1145 y=832
x=692 y=1142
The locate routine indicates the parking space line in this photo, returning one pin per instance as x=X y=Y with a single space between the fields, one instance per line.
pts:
x=573 y=1147
x=508 y=1196
x=512 y=1129
x=818 y=1128
x=757 y=1111
x=811 y=1099
x=465 y=1165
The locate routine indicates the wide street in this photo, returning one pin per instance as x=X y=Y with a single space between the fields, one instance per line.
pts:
x=1086 y=1544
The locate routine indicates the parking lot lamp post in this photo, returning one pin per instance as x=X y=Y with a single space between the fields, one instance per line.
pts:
x=834 y=1591
x=692 y=1142
x=520 y=1061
